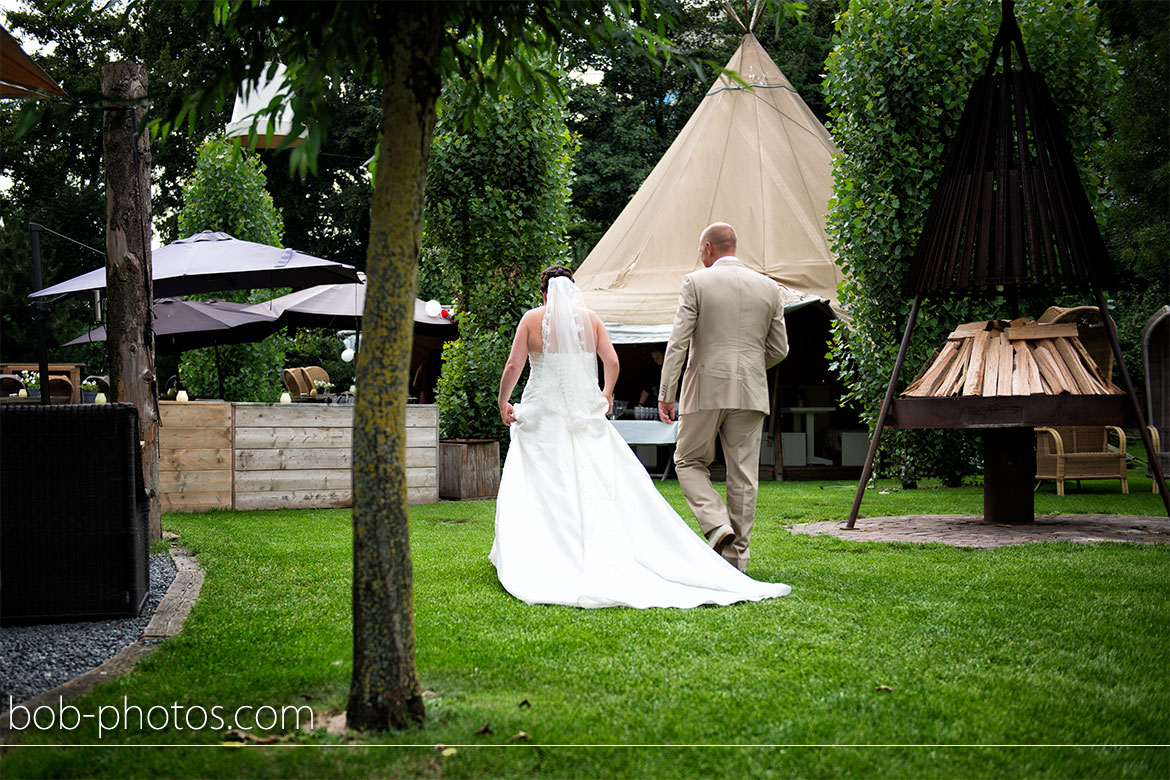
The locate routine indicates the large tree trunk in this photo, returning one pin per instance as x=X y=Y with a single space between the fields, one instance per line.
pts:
x=384 y=691
x=129 y=284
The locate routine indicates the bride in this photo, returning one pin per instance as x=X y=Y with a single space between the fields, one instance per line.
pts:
x=578 y=519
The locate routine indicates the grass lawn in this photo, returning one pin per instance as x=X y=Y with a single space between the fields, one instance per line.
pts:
x=1042 y=644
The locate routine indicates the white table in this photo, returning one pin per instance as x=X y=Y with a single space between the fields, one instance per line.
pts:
x=649 y=432
x=806 y=422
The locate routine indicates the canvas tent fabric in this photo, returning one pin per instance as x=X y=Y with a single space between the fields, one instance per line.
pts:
x=755 y=157
x=325 y=305
x=251 y=100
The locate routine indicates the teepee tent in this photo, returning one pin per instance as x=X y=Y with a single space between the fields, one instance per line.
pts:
x=752 y=155
x=755 y=156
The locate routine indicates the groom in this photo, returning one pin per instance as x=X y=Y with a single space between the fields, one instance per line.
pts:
x=731 y=321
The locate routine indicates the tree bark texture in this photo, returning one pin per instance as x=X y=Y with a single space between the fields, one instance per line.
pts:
x=129 y=284
x=385 y=691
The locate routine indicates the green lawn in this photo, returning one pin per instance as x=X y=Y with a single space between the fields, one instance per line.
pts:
x=1042 y=644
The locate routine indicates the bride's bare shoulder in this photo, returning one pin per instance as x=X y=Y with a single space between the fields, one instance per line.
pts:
x=595 y=320
x=531 y=320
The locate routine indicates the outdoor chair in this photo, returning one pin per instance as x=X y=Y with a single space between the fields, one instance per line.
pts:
x=1160 y=458
x=305 y=380
x=60 y=390
x=289 y=382
x=102 y=382
x=1156 y=356
x=293 y=381
x=1080 y=452
x=10 y=384
x=73 y=514
x=1092 y=333
x=316 y=374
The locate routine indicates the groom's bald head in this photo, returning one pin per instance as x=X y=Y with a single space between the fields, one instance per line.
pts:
x=716 y=241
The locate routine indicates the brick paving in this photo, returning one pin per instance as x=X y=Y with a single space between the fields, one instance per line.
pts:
x=972 y=531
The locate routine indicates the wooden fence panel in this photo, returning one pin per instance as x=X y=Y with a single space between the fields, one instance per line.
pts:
x=422 y=454
x=280 y=438
x=294 y=458
x=301 y=455
x=295 y=499
x=294 y=415
x=195 y=456
x=272 y=456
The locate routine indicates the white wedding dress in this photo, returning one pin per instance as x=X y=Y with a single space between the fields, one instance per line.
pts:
x=578 y=519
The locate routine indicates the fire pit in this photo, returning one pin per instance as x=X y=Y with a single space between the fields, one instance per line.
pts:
x=1010 y=216
x=1006 y=378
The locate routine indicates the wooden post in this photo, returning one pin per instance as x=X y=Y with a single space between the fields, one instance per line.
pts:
x=774 y=428
x=129 y=283
x=1009 y=466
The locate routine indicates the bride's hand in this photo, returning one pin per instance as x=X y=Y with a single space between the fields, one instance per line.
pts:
x=507 y=414
x=608 y=402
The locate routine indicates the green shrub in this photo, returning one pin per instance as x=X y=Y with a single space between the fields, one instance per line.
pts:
x=470 y=381
x=226 y=194
x=496 y=215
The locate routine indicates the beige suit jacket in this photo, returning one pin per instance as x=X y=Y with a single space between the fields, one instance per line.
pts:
x=731 y=321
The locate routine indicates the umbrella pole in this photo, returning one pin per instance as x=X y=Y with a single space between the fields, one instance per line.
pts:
x=357 y=347
x=40 y=313
x=218 y=373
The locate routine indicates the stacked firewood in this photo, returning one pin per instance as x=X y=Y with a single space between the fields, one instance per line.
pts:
x=1020 y=357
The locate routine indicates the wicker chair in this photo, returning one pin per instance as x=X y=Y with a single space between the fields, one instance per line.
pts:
x=316 y=374
x=1156 y=356
x=1080 y=452
x=10 y=384
x=60 y=390
x=294 y=381
x=102 y=382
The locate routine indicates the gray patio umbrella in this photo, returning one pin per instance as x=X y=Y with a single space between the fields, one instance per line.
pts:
x=323 y=306
x=213 y=262
x=341 y=306
x=180 y=325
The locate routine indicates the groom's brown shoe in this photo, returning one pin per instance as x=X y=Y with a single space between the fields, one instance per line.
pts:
x=720 y=537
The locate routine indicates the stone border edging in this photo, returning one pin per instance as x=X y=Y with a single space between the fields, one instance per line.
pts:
x=166 y=622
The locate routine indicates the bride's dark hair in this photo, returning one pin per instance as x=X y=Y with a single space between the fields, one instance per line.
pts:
x=552 y=272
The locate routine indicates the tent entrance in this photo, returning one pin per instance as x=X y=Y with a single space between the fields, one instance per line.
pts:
x=809 y=418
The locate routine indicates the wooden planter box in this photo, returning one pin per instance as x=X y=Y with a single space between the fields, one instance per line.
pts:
x=469 y=468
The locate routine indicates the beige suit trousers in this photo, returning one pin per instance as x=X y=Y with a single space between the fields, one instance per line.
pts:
x=739 y=432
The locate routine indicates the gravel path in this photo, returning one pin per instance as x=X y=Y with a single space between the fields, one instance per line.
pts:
x=35 y=659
